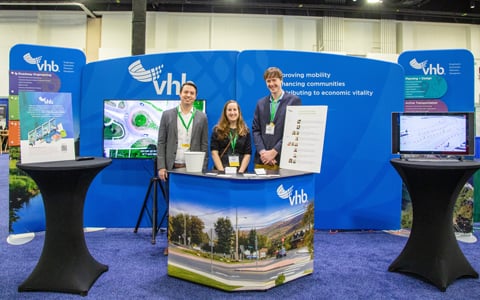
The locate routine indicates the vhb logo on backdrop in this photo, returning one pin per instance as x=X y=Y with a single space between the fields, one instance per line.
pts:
x=43 y=66
x=297 y=198
x=427 y=69
x=166 y=86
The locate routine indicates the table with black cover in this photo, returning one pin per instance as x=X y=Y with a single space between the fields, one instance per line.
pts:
x=65 y=264
x=432 y=251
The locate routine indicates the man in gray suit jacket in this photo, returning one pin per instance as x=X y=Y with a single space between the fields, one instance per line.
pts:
x=182 y=128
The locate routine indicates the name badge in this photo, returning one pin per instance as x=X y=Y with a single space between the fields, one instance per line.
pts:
x=270 y=129
x=230 y=170
x=234 y=160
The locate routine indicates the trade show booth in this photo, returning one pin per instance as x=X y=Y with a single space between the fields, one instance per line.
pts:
x=357 y=186
x=272 y=215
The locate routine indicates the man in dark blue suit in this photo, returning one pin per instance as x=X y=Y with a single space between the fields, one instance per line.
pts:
x=269 y=120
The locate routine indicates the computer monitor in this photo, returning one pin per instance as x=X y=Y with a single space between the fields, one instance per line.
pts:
x=130 y=126
x=445 y=133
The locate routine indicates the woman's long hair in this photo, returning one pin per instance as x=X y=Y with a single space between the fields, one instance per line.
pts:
x=223 y=126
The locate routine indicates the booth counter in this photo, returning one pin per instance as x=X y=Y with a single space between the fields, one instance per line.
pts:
x=241 y=231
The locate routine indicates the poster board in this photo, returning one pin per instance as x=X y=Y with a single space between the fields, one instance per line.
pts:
x=303 y=138
x=46 y=127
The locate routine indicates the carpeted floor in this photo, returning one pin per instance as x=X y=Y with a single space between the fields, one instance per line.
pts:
x=347 y=265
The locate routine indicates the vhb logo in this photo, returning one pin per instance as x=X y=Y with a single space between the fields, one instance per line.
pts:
x=139 y=73
x=294 y=198
x=45 y=100
x=427 y=70
x=44 y=66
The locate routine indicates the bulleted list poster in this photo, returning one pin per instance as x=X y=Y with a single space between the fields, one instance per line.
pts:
x=303 y=138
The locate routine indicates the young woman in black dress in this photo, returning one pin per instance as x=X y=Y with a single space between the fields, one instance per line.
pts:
x=230 y=144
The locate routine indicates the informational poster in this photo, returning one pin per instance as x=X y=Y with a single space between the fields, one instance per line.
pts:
x=303 y=138
x=46 y=127
x=438 y=80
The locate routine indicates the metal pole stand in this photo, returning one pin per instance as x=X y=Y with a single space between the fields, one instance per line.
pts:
x=155 y=182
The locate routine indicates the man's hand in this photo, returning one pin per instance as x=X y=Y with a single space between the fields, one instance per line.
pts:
x=268 y=157
x=162 y=174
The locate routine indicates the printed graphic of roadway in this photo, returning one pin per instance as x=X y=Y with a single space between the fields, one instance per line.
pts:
x=295 y=264
x=130 y=124
x=433 y=133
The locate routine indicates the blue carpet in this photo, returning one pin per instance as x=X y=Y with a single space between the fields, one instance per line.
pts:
x=347 y=265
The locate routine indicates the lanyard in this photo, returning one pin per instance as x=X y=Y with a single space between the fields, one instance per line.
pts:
x=233 y=140
x=273 y=107
x=187 y=126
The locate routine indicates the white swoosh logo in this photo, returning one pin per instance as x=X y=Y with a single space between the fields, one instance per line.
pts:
x=418 y=65
x=139 y=73
x=282 y=193
x=32 y=60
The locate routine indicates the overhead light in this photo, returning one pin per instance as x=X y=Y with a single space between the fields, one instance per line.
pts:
x=472 y=3
x=374 y=1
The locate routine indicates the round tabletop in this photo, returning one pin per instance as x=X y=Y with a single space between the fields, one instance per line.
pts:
x=437 y=164
x=66 y=165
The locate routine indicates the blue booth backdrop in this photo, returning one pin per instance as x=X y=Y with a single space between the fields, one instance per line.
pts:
x=118 y=192
x=356 y=189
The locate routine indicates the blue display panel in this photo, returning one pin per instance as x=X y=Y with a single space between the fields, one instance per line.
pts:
x=438 y=80
x=357 y=187
x=124 y=183
x=38 y=69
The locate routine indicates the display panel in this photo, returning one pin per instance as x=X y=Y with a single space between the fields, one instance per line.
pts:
x=130 y=127
x=448 y=133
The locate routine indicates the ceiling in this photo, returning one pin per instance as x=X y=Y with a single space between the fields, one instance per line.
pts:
x=452 y=11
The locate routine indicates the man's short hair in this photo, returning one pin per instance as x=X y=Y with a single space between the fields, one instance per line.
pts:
x=273 y=72
x=190 y=83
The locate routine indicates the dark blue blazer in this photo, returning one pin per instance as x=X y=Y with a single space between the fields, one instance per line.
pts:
x=262 y=117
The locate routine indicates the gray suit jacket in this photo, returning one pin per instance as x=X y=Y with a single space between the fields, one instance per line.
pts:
x=168 y=138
